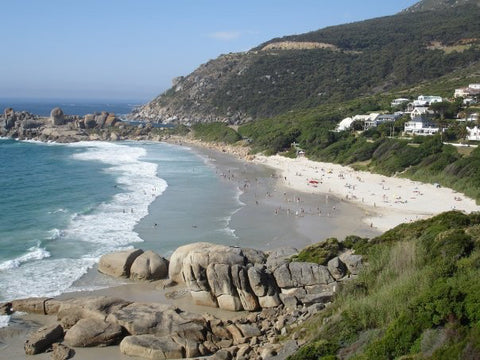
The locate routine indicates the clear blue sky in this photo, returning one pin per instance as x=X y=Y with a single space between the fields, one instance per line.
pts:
x=131 y=49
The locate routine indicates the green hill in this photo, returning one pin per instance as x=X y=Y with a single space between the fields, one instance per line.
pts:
x=419 y=297
x=327 y=66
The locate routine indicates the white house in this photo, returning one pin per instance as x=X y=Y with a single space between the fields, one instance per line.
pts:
x=419 y=126
x=399 y=101
x=465 y=92
x=426 y=100
x=473 y=133
x=422 y=112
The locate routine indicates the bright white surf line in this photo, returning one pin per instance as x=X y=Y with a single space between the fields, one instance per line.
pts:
x=108 y=226
x=140 y=184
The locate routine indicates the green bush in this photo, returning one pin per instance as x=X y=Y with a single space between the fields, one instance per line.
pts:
x=217 y=132
x=321 y=349
x=319 y=253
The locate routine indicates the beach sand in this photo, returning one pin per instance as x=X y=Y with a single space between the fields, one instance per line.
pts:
x=387 y=201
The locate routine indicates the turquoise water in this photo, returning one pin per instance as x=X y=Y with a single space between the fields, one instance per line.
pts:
x=64 y=205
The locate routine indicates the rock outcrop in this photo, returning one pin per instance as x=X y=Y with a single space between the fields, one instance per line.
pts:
x=43 y=339
x=118 y=264
x=235 y=279
x=57 y=116
x=279 y=294
x=149 y=266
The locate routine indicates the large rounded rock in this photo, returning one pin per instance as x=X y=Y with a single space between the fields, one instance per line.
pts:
x=176 y=260
x=152 y=347
x=118 y=264
x=353 y=262
x=149 y=266
x=93 y=332
x=161 y=320
x=57 y=117
x=43 y=339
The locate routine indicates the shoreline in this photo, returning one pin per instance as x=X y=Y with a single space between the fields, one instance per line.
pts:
x=388 y=201
x=348 y=201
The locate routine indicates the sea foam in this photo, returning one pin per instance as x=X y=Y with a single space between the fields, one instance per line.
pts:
x=106 y=227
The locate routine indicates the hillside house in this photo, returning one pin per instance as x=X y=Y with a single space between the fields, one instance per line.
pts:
x=420 y=126
x=422 y=112
x=467 y=92
x=399 y=101
x=426 y=100
x=473 y=133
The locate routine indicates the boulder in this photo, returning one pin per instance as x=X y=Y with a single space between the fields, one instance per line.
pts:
x=221 y=284
x=160 y=320
x=99 y=307
x=241 y=283
x=353 y=262
x=62 y=352
x=176 y=260
x=93 y=332
x=152 y=347
x=57 y=117
x=197 y=256
x=111 y=120
x=299 y=274
x=42 y=339
x=31 y=305
x=203 y=298
x=279 y=257
x=261 y=281
x=118 y=264
x=31 y=124
x=10 y=118
x=337 y=268
x=89 y=121
x=149 y=266
x=101 y=118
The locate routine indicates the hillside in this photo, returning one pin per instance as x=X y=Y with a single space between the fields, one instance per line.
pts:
x=417 y=299
x=327 y=66
x=428 y=5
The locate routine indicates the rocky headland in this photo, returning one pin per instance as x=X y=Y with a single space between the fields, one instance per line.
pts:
x=273 y=294
x=63 y=128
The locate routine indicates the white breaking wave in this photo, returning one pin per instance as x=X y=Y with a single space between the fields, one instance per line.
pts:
x=34 y=253
x=105 y=228
x=112 y=223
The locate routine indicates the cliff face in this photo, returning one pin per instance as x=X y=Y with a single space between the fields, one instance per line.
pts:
x=330 y=65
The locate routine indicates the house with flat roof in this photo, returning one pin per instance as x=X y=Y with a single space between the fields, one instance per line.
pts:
x=420 y=126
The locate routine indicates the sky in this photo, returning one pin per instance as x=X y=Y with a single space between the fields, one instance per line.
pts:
x=132 y=49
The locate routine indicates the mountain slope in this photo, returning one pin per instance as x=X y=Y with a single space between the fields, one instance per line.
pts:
x=325 y=66
x=429 y=5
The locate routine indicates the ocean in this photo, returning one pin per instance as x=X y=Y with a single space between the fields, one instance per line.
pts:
x=63 y=206
x=69 y=107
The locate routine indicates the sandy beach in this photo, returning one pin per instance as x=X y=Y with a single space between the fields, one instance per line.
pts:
x=388 y=201
x=273 y=215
